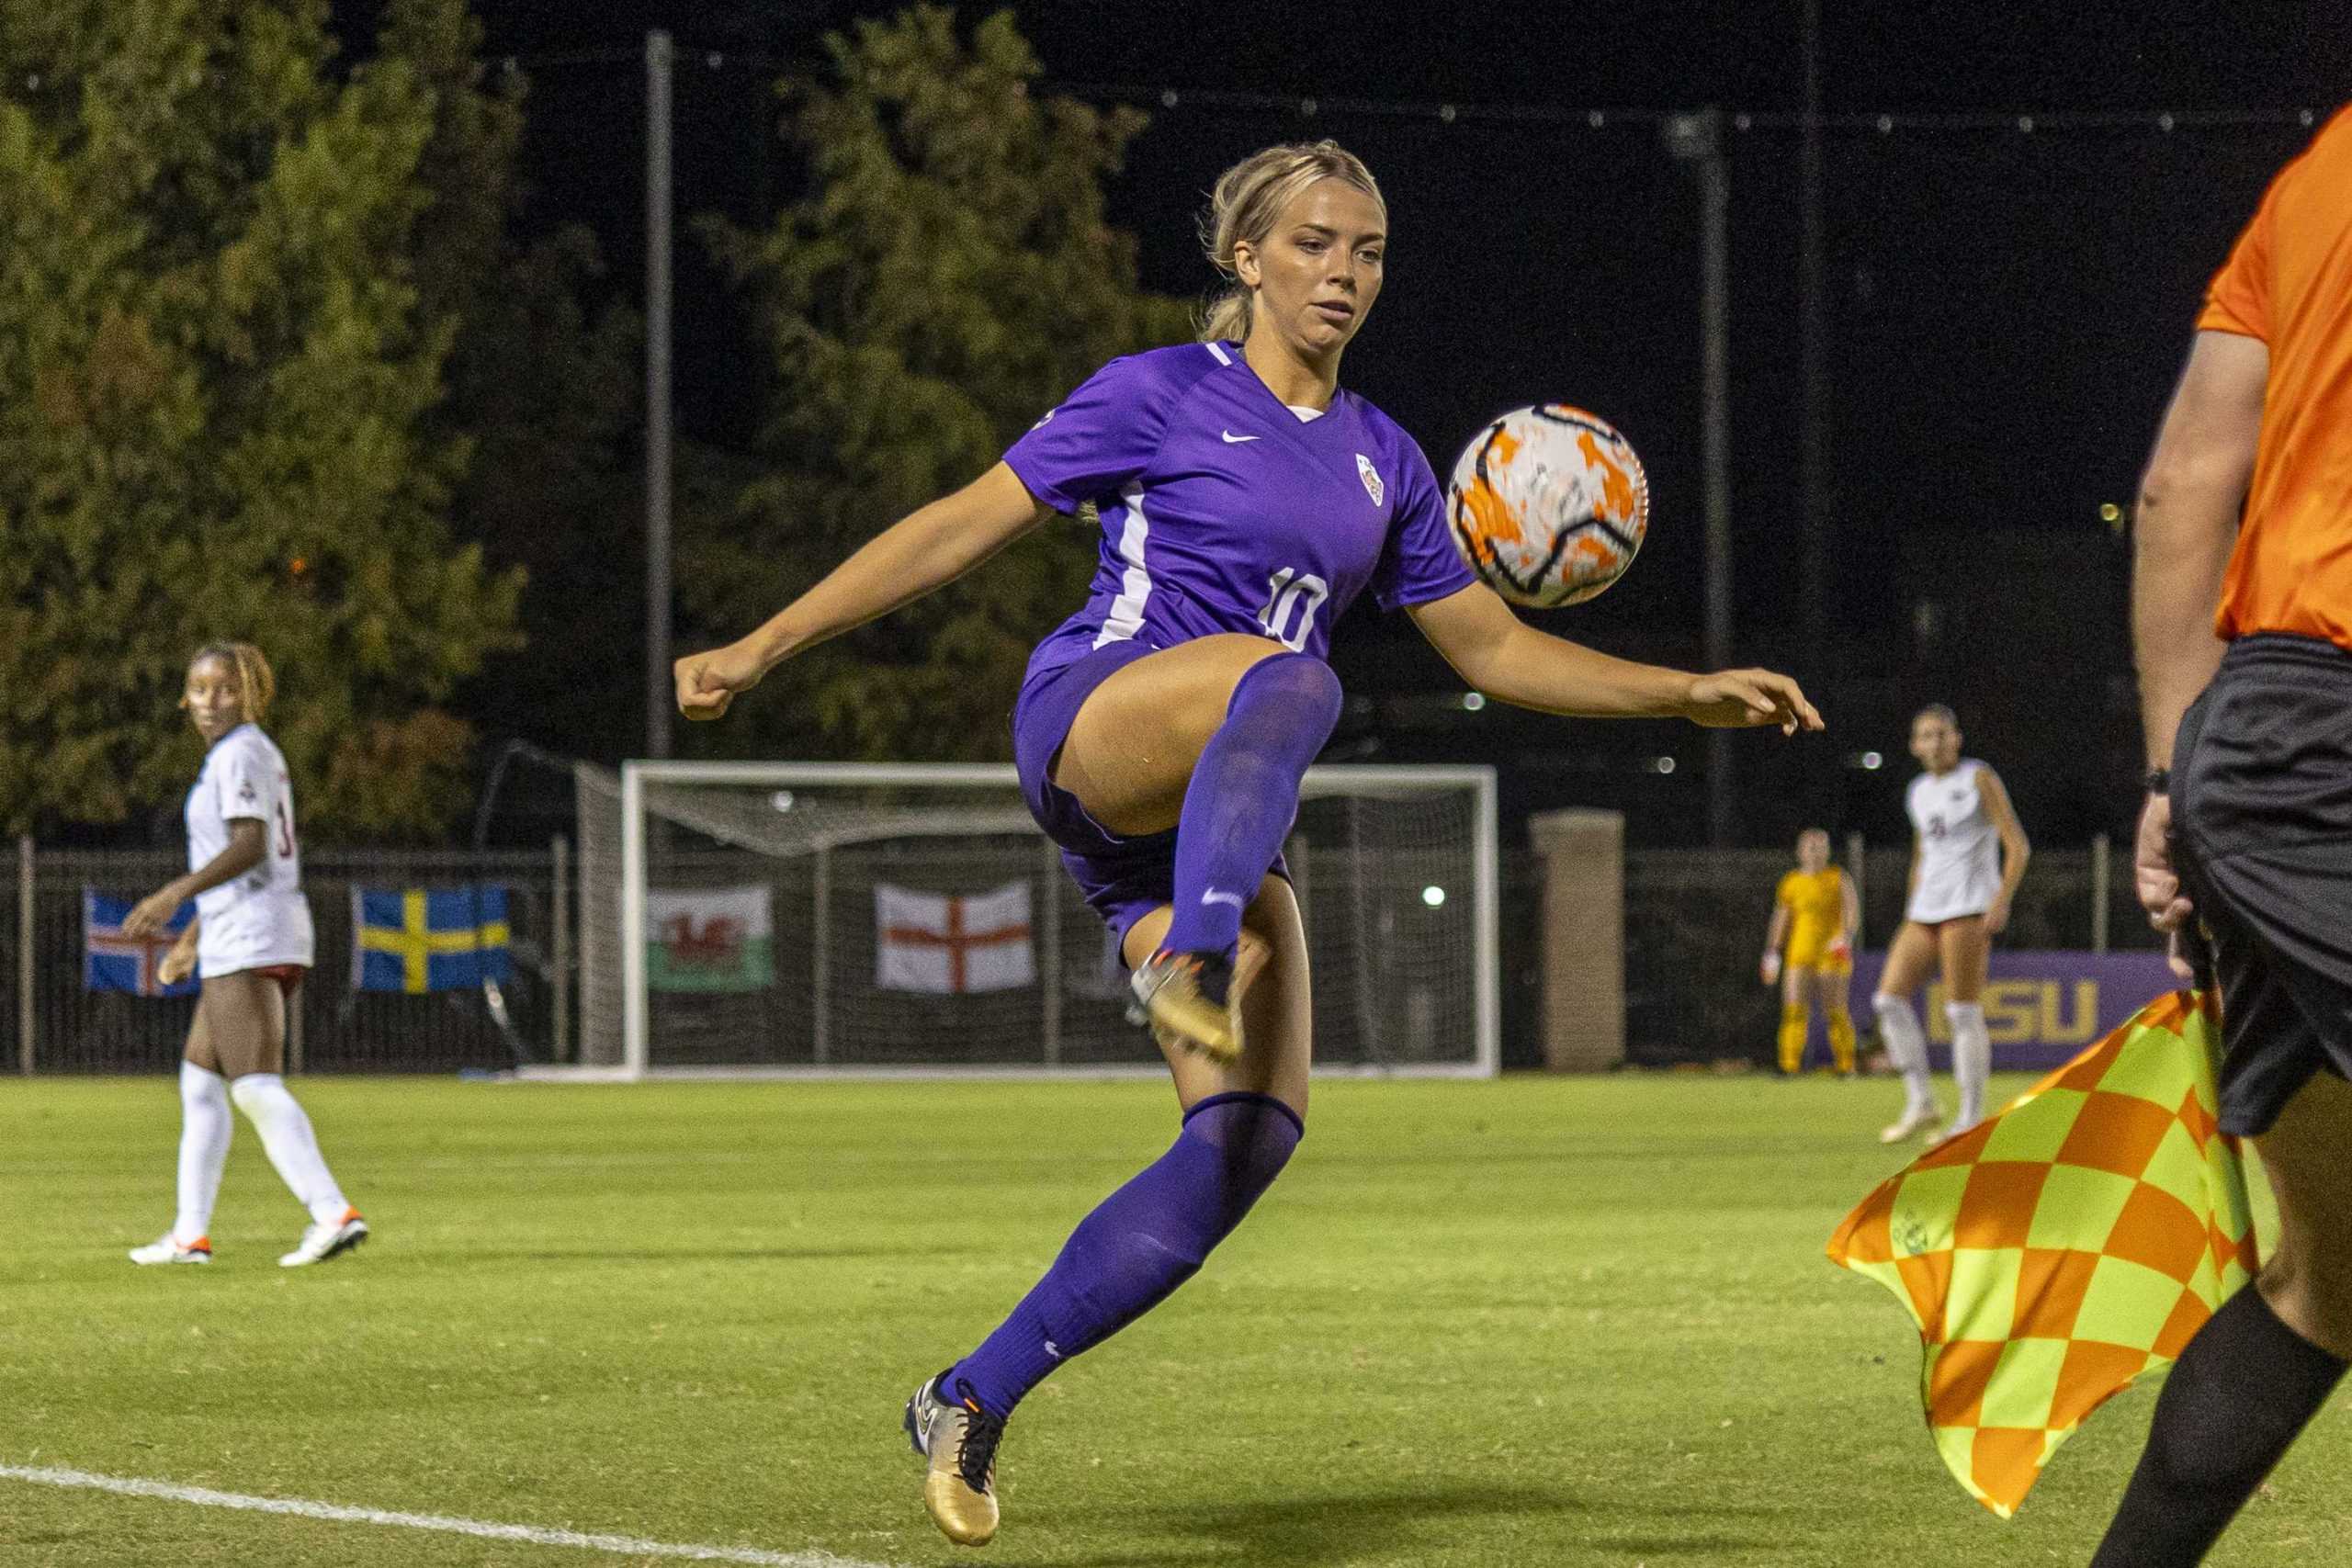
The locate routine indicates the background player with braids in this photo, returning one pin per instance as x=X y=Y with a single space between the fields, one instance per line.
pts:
x=1162 y=731
x=252 y=943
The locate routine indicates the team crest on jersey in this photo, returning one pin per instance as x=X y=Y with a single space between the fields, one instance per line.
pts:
x=1370 y=478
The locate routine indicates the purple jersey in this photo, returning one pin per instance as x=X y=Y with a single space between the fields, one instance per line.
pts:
x=1224 y=512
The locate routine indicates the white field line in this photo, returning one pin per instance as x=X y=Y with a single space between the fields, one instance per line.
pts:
x=204 y=1496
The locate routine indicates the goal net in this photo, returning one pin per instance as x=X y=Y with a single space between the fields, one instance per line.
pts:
x=809 y=917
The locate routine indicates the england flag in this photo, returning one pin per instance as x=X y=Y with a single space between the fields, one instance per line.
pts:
x=950 y=943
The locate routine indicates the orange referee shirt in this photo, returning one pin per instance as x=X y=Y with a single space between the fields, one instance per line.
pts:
x=2288 y=282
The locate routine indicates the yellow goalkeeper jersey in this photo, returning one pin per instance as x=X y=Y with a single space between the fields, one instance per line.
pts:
x=1816 y=906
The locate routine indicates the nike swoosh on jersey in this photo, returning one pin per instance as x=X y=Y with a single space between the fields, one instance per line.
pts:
x=1214 y=896
x=1233 y=440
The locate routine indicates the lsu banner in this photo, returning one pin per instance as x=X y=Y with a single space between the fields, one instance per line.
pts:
x=428 y=939
x=2040 y=1008
x=2058 y=1250
x=709 y=939
x=113 y=962
x=936 y=942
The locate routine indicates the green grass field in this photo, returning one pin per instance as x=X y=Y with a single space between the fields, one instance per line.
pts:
x=1530 y=1322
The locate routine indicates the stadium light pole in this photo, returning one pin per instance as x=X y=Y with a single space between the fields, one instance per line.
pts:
x=1813 y=416
x=659 y=55
x=1697 y=139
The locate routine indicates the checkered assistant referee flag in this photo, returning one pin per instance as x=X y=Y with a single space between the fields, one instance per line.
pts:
x=2058 y=1250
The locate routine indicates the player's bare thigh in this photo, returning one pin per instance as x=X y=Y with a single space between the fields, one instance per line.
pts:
x=1967 y=954
x=244 y=1017
x=1909 y=958
x=200 y=1050
x=2308 y=1278
x=1131 y=750
x=1277 y=1009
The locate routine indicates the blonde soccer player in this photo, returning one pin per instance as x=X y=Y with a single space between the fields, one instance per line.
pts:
x=1162 y=733
x=251 y=943
x=1968 y=854
x=1809 y=952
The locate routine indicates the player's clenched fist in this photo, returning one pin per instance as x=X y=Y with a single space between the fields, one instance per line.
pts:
x=708 y=682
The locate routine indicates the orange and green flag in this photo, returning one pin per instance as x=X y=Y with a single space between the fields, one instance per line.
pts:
x=2061 y=1248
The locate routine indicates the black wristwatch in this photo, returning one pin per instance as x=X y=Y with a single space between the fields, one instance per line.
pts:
x=2158 y=780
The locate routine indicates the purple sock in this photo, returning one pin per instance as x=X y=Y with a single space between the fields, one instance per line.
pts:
x=1137 y=1245
x=1244 y=796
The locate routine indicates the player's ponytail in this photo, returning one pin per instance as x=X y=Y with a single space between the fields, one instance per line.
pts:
x=1249 y=197
x=256 y=685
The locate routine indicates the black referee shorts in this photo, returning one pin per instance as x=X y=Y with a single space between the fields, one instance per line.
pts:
x=2262 y=818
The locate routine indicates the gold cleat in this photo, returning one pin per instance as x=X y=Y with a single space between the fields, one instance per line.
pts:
x=960 y=1440
x=1189 y=998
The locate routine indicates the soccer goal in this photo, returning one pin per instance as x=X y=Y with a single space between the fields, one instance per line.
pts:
x=783 y=918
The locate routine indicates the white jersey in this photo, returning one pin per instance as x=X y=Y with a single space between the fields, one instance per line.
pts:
x=1960 y=850
x=261 y=918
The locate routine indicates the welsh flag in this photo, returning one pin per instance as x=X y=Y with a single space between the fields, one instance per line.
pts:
x=937 y=941
x=2054 y=1254
x=709 y=939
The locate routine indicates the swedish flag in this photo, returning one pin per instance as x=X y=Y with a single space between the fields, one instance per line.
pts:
x=428 y=939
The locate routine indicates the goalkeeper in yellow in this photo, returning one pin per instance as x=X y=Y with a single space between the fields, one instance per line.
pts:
x=1809 y=952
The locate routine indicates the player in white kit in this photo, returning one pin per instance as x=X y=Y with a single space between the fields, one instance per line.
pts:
x=252 y=943
x=1968 y=854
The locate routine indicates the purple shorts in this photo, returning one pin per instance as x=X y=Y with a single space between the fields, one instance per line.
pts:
x=1123 y=879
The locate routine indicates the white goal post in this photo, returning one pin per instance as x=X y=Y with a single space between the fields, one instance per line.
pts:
x=848 y=919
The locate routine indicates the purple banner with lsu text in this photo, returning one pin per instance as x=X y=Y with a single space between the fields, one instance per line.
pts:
x=2041 y=1008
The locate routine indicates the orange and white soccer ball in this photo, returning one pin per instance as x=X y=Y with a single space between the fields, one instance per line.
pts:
x=1549 y=505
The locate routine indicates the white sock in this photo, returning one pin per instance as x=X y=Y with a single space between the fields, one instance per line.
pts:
x=293 y=1148
x=1972 y=1059
x=204 y=1129
x=1907 y=1047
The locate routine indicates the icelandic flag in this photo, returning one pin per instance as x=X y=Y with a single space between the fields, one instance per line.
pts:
x=428 y=939
x=113 y=962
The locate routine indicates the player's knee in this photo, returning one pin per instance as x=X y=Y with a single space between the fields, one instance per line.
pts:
x=251 y=1090
x=2313 y=1297
x=1249 y=1138
x=1307 y=688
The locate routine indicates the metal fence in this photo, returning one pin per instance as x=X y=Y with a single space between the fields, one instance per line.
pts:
x=1695 y=924
x=56 y=1025
x=1695 y=920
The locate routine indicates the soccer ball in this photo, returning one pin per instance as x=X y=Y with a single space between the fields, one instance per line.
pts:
x=1548 y=504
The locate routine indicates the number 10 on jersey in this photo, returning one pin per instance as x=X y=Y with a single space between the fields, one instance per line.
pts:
x=1293 y=593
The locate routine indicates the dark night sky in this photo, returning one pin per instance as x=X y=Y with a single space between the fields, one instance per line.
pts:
x=2006 y=309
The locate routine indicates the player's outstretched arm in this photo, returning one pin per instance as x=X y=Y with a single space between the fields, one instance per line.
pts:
x=925 y=550
x=1504 y=657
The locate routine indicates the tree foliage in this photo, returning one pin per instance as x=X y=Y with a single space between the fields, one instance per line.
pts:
x=546 y=393
x=949 y=277
x=222 y=351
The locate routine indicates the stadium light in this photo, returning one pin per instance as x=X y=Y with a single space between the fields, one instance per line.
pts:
x=1472 y=700
x=1433 y=896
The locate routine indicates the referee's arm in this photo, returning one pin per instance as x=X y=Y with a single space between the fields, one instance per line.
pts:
x=2187 y=522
